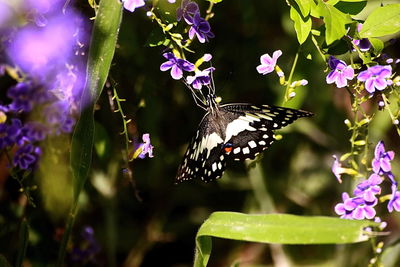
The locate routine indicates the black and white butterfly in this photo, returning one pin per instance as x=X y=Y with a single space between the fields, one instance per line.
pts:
x=231 y=131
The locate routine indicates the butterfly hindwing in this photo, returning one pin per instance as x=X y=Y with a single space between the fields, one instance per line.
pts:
x=204 y=158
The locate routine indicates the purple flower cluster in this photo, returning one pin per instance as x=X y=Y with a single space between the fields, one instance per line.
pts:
x=200 y=27
x=85 y=252
x=361 y=205
x=49 y=53
x=376 y=78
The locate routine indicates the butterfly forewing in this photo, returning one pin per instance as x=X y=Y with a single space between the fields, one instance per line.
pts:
x=252 y=131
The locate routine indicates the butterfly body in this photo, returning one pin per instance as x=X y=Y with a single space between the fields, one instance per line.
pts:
x=232 y=131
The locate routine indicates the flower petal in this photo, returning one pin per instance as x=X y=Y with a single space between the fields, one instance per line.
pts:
x=176 y=72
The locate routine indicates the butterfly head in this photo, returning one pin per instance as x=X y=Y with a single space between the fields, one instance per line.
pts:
x=212 y=103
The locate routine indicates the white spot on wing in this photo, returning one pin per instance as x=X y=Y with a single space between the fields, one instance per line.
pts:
x=236 y=150
x=214 y=167
x=252 y=144
x=262 y=143
x=246 y=150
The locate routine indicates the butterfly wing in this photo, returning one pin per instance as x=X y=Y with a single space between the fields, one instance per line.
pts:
x=252 y=131
x=246 y=128
x=205 y=158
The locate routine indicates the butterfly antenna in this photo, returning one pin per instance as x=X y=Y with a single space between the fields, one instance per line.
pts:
x=212 y=81
x=200 y=101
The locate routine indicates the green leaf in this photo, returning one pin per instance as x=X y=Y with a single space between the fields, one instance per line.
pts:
x=382 y=21
x=301 y=25
x=335 y=21
x=101 y=52
x=377 y=44
x=23 y=240
x=304 y=6
x=4 y=262
x=277 y=228
x=102 y=144
x=351 y=7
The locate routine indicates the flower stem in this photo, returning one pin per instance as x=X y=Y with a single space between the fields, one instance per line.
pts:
x=289 y=81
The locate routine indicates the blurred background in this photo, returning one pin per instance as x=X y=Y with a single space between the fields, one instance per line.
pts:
x=155 y=222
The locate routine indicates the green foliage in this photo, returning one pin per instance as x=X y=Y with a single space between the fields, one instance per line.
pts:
x=382 y=21
x=277 y=228
x=302 y=24
x=101 y=52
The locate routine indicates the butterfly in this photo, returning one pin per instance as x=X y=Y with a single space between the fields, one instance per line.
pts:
x=235 y=131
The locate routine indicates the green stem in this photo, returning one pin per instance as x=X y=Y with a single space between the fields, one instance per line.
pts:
x=289 y=81
x=318 y=48
x=124 y=121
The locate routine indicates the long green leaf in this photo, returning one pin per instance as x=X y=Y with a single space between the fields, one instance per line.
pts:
x=101 y=52
x=277 y=228
x=382 y=21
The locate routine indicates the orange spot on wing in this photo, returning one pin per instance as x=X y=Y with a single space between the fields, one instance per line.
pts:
x=228 y=149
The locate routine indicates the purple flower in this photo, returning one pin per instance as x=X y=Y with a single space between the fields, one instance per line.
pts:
x=6 y=14
x=200 y=27
x=22 y=95
x=147 y=148
x=364 y=44
x=58 y=117
x=346 y=208
x=369 y=188
x=364 y=211
x=381 y=162
x=375 y=77
x=268 y=63
x=86 y=251
x=26 y=156
x=131 y=5
x=200 y=78
x=177 y=65
x=340 y=72
x=337 y=169
x=394 y=202
x=39 y=50
x=186 y=11
x=10 y=134
x=35 y=131
x=355 y=208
